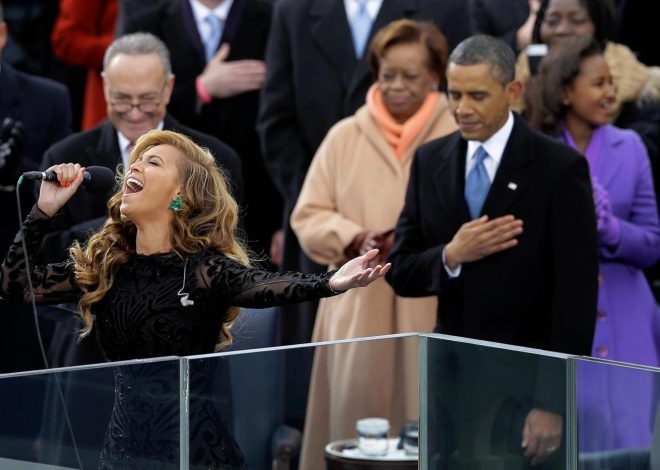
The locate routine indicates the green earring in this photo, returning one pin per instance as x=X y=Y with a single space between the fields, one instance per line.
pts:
x=176 y=204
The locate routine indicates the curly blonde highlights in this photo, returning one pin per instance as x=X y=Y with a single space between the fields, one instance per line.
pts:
x=207 y=221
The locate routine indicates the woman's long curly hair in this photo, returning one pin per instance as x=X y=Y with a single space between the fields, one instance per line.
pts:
x=546 y=107
x=207 y=221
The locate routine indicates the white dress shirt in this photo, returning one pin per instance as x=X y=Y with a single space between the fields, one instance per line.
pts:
x=125 y=144
x=494 y=146
x=352 y=6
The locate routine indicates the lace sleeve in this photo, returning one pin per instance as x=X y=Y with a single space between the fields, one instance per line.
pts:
x=243 y=286
x=53 y=283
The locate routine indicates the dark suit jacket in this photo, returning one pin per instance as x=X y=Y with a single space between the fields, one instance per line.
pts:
x=42 y=106
x=232 y=120
x=86 y=212
x=541 y=293
x=499 y=18
x=313 y=78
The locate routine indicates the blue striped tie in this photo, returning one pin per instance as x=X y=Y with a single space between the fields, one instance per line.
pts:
x=211 y=43
x=477 y=183
x=360 y=27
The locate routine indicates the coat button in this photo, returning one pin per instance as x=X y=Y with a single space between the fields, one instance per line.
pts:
x=602 y=351
x=602 y=316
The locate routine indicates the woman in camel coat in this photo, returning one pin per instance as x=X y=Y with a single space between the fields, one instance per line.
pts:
x=350 y=202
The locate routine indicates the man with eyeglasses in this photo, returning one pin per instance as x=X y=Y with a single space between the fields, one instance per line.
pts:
x=138 y=83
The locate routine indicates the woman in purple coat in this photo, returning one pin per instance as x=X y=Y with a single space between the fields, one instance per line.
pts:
x=573 y=99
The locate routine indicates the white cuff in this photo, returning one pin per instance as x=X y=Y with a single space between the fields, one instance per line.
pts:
x=452 y=273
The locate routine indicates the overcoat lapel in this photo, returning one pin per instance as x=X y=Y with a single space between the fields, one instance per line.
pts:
x=194 y=39
x=450 y=180
x=234 y=19
x=331 y=32
x=107 y=151
x=609 y=160
x=510 y=181
x=10 y=96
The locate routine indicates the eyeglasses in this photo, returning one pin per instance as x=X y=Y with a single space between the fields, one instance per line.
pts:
x=123 y=102
x=125 y=106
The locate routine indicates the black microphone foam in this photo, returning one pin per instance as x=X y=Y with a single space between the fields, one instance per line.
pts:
x=96 y=179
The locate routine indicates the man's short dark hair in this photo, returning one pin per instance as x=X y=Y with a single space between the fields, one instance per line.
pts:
x=483 y=49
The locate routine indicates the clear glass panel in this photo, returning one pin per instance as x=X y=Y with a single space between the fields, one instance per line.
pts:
x=479 y=401
x=241 y=411
x=617 y=412
x=475 y=398
x=121 y=415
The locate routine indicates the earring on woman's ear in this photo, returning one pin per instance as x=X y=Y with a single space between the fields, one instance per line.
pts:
x=176 y=204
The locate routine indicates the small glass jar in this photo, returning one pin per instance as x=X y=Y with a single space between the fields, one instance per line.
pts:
x=373 y=436
x=411 y=442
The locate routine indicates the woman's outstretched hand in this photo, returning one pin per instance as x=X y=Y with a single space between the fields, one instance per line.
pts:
x=53 y=196
x=357 y=273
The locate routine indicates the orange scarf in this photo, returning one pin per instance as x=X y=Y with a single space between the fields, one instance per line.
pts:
x=400 y=136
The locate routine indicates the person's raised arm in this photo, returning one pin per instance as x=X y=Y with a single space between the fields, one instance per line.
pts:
x=243 y=286
x=53 y=283
x=62 y=231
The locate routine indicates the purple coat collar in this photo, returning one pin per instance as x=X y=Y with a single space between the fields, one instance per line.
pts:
x=601 y=153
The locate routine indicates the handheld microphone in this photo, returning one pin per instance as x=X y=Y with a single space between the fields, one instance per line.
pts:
x=96 y=179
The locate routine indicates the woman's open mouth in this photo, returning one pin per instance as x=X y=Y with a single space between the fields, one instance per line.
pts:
x=133 y=185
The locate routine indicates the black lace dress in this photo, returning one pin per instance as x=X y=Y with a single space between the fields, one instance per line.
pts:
x=143 y=316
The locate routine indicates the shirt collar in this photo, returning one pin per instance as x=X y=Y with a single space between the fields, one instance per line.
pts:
x=124 y=143
x=496 y=143
x=373 y=6
x=200 y=12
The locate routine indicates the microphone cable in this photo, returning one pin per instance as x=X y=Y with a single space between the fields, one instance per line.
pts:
x=35 y=317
